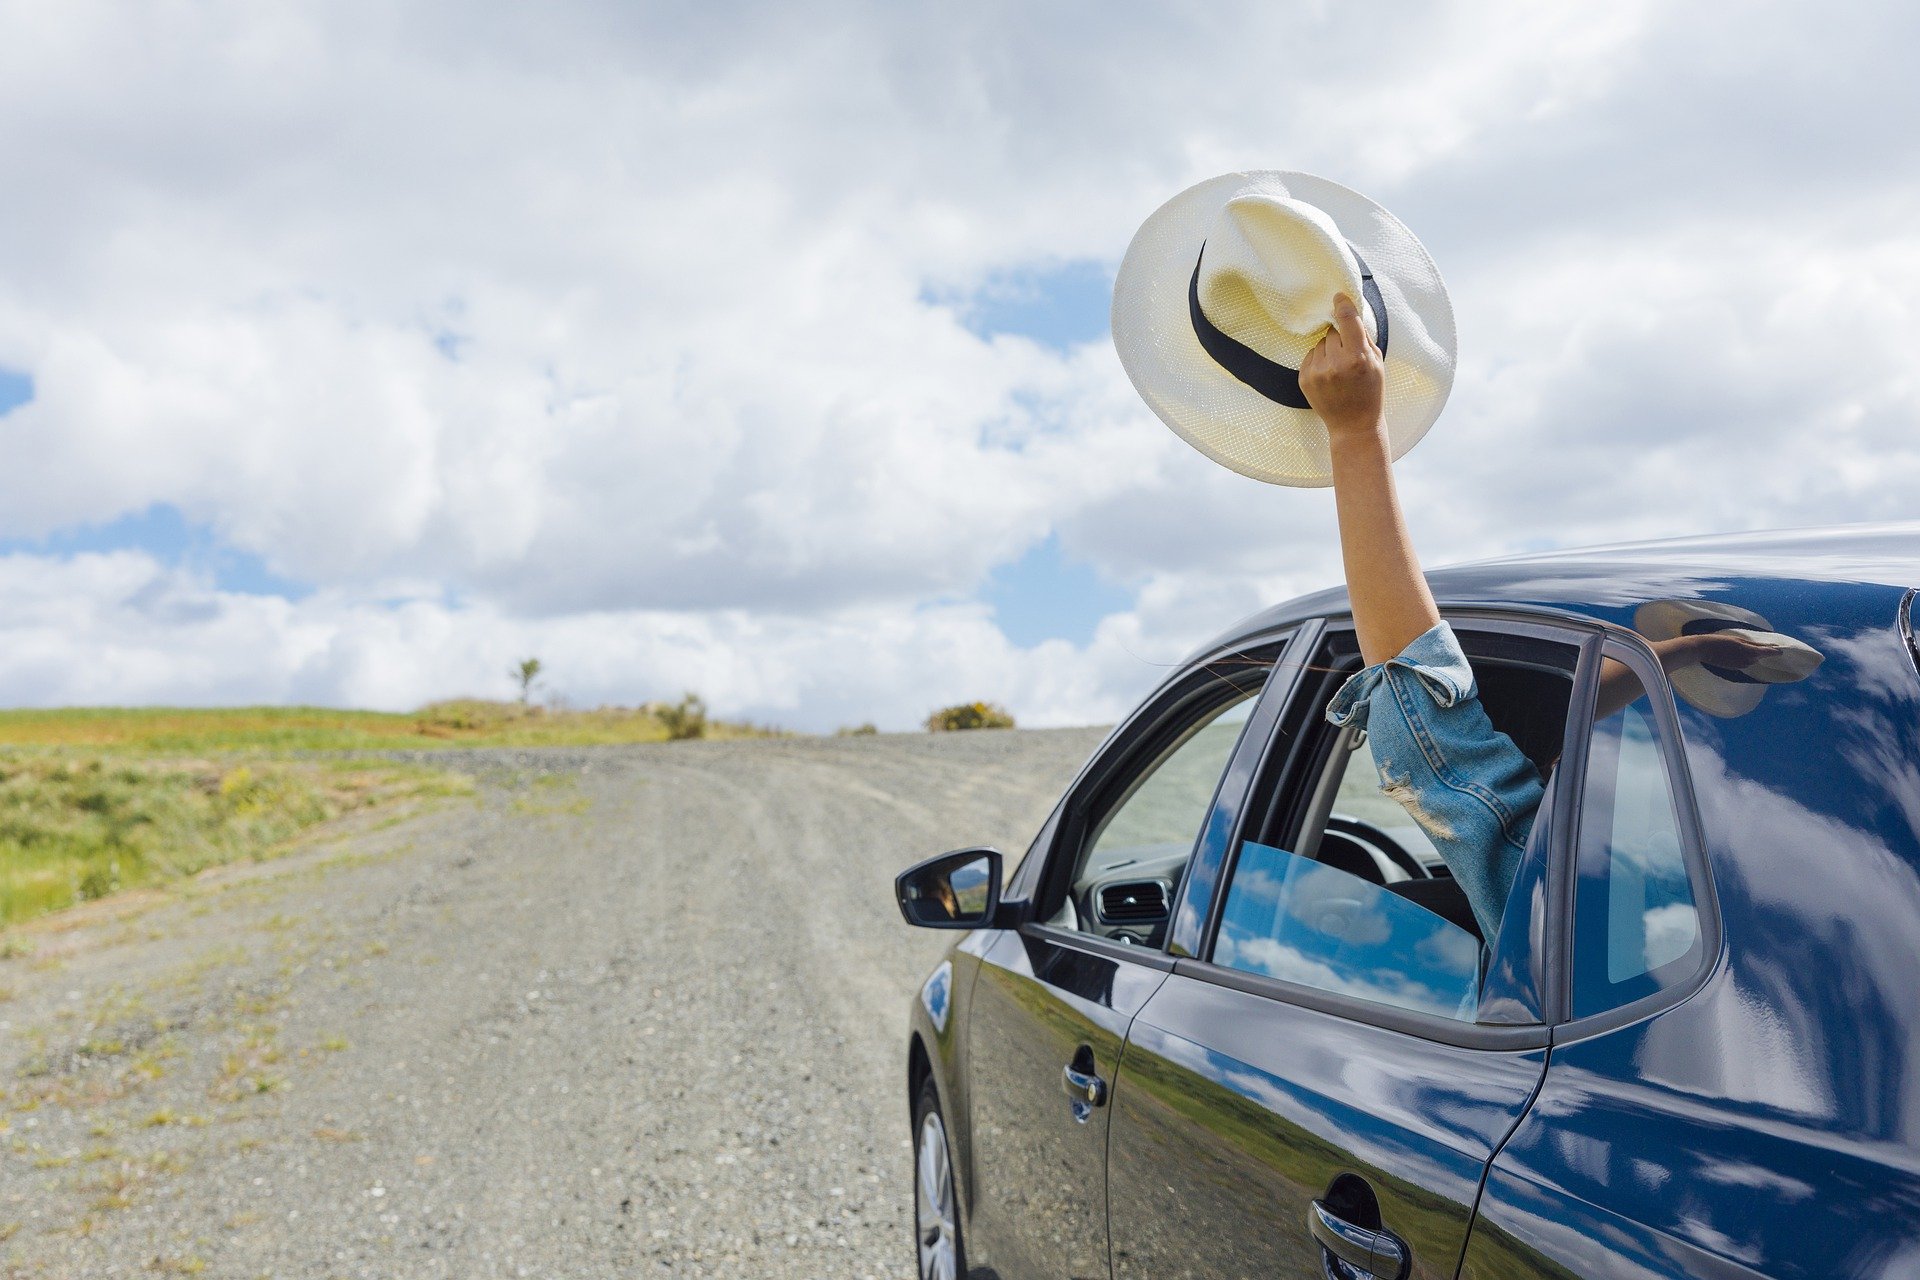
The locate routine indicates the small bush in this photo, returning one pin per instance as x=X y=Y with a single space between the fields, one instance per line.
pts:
x=98 y=881
x=969 y=715
x=687 y=719
x=866 y=730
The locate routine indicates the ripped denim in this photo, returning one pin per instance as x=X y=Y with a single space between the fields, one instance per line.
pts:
x=1464 y=782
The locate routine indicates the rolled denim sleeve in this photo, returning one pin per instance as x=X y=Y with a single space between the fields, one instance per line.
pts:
x=1464 y=782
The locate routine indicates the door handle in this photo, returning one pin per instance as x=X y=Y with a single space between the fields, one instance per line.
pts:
x=1377 y=1253
x=1084 y=1088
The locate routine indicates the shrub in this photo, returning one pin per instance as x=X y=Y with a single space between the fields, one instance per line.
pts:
x=98 y=880
x=856 y=730
x=969 y=715
x=688 y=719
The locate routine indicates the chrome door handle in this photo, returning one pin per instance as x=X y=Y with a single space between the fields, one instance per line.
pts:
x=1380 y=1254
x=1085 y=1089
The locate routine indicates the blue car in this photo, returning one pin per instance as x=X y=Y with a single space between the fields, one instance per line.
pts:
x=1230 y=1015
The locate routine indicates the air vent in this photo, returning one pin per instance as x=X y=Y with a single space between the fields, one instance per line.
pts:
x=1133 y=902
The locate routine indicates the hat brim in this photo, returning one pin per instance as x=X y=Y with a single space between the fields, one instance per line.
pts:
x=1221 y=416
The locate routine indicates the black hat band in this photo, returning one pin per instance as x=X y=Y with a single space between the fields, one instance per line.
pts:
x=1269 y=377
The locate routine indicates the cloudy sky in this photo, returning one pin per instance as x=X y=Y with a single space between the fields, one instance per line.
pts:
x=351 y=350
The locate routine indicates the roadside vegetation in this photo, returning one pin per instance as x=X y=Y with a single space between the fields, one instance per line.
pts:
x=96 y=800
x=78 y=827
x=466 y=722
x=970 y=715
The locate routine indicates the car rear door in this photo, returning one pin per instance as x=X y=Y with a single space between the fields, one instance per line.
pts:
x=1054 y=997
x=1282 y=1112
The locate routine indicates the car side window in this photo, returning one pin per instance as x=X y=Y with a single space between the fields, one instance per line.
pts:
x=1143 y=827
x=1345 y=887
x=1637 y=923
x=1300 y=920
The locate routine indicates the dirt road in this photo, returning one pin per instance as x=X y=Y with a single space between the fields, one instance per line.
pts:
x=630 y=1011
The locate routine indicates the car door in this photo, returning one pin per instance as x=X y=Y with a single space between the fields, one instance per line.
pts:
x=1585 y=1184
x=1054 y=996
x=1317 y=1087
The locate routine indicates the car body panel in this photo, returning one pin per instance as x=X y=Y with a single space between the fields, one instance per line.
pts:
x=1234 y=1111
x=938 y=1047
x=1611 y=582
x=1042 y=1000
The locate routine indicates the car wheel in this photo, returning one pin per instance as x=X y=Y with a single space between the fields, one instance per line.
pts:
x=936 y=1208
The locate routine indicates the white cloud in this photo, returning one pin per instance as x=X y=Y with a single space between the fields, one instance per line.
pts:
x=121 y=628
x=605 y=330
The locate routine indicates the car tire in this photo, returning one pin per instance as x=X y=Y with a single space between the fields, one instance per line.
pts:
x=938 y=1252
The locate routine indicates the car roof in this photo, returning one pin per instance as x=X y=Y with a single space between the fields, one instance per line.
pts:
x=1748 y=569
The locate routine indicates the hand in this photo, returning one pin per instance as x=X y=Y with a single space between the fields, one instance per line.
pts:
x=1728 y=649
x=1344 y=377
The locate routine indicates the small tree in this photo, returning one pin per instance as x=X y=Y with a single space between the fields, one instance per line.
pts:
x=526 y=671
x=970 y=715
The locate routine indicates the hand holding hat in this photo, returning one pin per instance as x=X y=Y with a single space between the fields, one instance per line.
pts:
x=1344 y=376
x=1229 y=288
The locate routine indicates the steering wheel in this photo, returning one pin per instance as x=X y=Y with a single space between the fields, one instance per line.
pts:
x=1367 y=833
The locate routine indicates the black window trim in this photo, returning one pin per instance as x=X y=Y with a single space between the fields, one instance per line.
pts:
x=1560 y=627
x=1093 y=943
x=1424 y=1026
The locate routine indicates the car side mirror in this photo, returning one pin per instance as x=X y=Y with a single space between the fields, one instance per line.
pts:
x=958 y=890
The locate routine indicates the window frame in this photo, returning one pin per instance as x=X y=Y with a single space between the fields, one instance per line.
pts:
x=1303 y=754
x=1908 y=606
x=1112 y=772
x=1632 y=649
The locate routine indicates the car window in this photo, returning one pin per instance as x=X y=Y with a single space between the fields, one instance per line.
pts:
x=1303 y=921
x=1361 y=799
x=1636 y=922
x=1140 y=841
x=1342 y=888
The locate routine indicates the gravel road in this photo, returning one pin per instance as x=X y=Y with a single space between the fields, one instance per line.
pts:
x=629 y=1011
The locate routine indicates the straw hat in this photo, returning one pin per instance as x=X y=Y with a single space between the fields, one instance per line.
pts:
x=1722 y=691
x=1229 y=285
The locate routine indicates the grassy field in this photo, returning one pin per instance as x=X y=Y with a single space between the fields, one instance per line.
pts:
x=77 y=827
x=96 y=800
x=472 y=723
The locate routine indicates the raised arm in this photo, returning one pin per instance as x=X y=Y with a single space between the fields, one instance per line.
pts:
x=1343 y=379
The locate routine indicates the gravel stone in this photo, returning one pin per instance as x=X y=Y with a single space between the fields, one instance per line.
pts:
x=631 y=1011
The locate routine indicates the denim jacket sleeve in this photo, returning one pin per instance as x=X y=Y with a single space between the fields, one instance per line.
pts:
x=1464 y=782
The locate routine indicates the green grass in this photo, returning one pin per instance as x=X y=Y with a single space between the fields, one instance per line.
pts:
x=75 y=827
x=464 y=723
x=94 y=800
